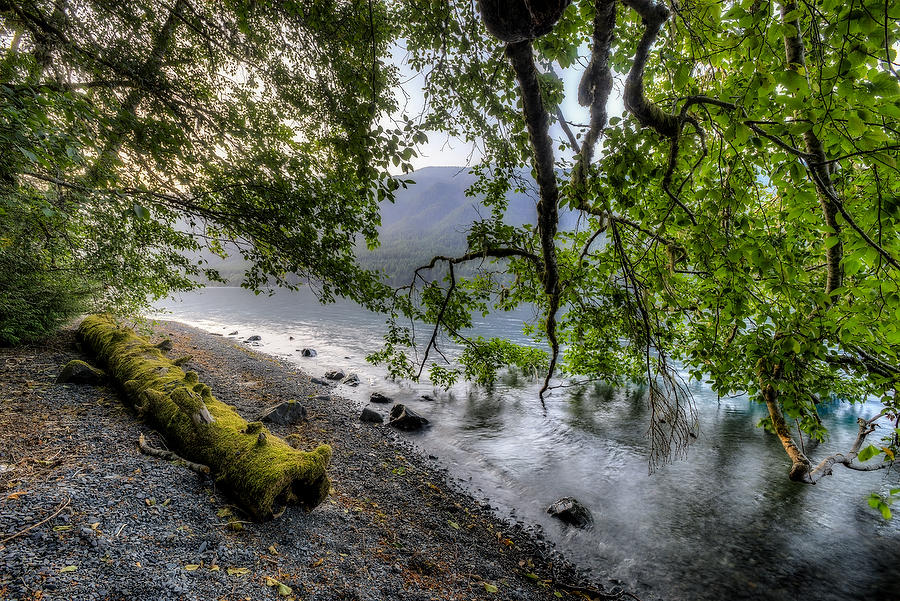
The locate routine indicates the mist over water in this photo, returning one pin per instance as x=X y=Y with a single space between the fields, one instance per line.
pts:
x=725 y=523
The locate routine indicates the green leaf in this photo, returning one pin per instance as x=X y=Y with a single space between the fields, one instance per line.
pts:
x=490 y=588
x=682 y=76
x=142 y=212
x=868 y=452
x=453 y=524
x=68 y=569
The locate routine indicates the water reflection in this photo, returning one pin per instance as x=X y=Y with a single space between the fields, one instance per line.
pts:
x=483 y=412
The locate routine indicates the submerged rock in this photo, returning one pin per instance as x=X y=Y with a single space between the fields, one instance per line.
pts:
x=404 y=418
x=285 y=414
x=235 y=333
x=351 y=380
x=377 y=397
x=308 y=352
x=254 y=338
x=319 y=381
x=79 y=372
x=334 y=375
x=570 y=511
x=369 y=416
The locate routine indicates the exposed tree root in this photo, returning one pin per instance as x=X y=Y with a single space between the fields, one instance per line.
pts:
x=146 y=449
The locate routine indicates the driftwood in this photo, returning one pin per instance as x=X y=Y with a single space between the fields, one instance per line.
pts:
x=258 y=469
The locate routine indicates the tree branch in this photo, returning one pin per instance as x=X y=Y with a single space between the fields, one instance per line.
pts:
x=866 y=427
x=597 y=82
x=537 y=121
x=647 y=113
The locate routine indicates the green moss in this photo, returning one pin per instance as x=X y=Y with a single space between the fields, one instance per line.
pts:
x=256 y=474
x=80 y=372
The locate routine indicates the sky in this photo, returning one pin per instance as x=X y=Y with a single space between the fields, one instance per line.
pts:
x=441 y=150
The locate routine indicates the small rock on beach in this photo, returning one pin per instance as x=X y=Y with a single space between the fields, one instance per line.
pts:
x=285 y=414
x=371 y=417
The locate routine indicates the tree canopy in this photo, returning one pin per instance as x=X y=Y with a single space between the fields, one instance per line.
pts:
x=137 y=134
x=740 y=218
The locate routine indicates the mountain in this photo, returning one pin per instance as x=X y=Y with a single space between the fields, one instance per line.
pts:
x=432 y=216
x=428 y=218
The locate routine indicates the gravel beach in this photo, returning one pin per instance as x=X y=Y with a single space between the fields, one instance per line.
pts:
x=85 y=515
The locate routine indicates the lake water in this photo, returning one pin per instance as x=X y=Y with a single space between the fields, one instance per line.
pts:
x=724 y=523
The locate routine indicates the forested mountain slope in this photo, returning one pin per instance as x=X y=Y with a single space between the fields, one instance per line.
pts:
x=429 y=217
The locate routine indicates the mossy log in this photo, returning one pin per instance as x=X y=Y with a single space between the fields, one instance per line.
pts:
x=258 y=469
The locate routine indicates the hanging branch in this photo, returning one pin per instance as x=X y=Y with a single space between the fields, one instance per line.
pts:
x=647 y=113
x=537 y=121
x=596 y=85
x=496 y=253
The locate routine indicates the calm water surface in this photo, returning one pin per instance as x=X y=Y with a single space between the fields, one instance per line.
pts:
x=725 y=523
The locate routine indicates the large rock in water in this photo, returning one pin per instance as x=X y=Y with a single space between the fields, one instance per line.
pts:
x=571 y=512
x=404 y=418
x=308 y=352
x=79 y=372
x=351 y=380
x=284 y=414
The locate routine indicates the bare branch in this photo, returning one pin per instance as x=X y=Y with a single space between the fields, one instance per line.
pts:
x=866 y=427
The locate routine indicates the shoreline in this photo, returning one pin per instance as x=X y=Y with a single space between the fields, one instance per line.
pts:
x=133 y=526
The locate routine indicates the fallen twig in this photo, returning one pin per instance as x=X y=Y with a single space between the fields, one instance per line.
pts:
x=170 y=456
x=58 y=510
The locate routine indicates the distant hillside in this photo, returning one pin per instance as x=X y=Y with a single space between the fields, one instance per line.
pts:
x=432 y=217
x=428 y=218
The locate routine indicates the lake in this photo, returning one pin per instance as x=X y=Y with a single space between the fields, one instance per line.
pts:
x=724 y=523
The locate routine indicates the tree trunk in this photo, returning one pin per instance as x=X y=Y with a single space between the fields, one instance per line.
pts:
x=257 y=468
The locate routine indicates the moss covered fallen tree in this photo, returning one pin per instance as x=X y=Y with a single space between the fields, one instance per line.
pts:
x=257 y=468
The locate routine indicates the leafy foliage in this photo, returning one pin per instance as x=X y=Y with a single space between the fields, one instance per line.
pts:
x=141 y=133
x=741 y=218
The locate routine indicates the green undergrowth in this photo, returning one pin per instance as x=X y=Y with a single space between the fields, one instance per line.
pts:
x=259 y=469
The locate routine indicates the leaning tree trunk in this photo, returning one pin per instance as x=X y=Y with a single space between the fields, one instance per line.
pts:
x=257 y=468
